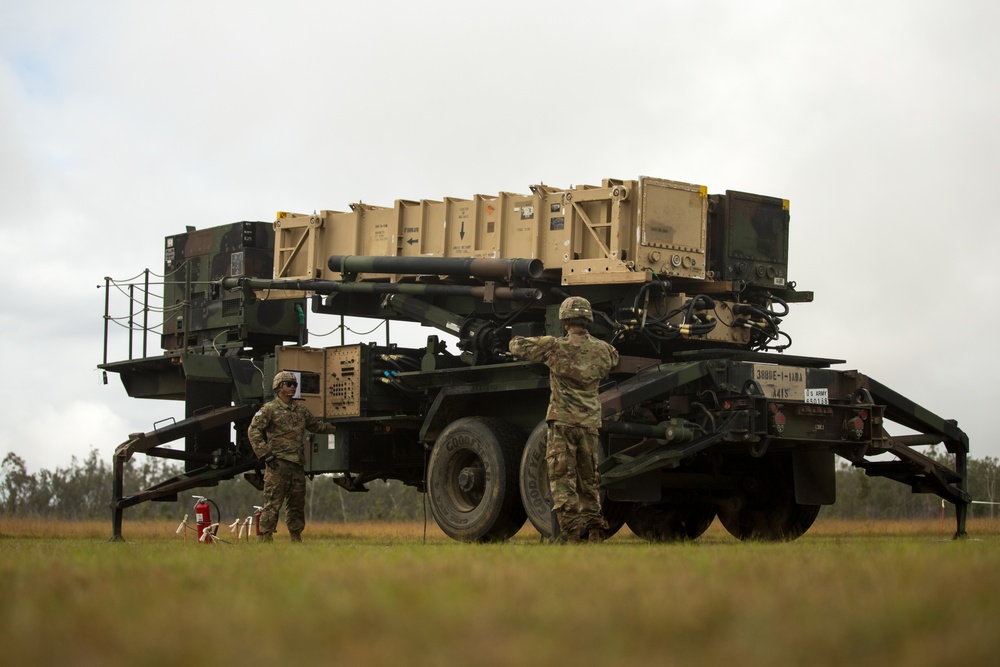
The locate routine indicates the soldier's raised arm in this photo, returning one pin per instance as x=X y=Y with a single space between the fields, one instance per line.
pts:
x=532 y=349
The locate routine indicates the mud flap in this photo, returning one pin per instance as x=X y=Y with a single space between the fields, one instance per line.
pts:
x=815 y=478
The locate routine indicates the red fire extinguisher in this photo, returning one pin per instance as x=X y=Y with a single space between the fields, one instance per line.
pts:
x=256 y=519
x=203 y=517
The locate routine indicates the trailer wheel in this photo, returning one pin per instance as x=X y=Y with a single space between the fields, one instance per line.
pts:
x=670 y=522
x=472 y=480
x=537 y=497
x=767 y=510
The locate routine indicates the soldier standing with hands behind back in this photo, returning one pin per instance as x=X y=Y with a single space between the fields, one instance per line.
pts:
x=278 y=434
x=577 y=363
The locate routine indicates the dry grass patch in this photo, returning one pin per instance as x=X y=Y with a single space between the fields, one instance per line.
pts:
x=377 y=594
x=392 y=532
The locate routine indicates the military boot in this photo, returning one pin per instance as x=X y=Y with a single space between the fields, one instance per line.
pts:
x=596 y=535
x=557 y=536
x=265 y=537
x=295 y=535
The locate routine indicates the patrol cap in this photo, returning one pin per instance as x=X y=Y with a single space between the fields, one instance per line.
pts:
x=283 y=376
x=574 y=307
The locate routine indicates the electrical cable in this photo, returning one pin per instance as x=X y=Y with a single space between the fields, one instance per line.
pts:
x=214 y=347
x=328 y=333
x=366 y=333
x=423 y=500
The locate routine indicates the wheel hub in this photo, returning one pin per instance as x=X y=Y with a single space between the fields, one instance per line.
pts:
x=470 y=479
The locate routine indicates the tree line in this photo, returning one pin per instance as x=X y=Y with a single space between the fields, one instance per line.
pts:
x=82 y=491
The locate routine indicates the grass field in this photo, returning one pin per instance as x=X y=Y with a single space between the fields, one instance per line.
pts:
x=380 y=594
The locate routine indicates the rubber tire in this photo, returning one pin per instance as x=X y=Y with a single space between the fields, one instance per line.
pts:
x=493 y=447
x=536 y=496
x=670 y=522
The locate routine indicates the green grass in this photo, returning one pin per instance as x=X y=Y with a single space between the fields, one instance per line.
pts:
x=845 y=594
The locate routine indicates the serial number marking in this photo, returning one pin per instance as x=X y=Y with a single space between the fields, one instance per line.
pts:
x=819 y=396
x=778 y=374
x=786 y=383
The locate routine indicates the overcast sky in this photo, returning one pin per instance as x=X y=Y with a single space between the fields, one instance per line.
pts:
x=123 y=122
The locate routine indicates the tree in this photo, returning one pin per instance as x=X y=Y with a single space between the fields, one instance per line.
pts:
x=17 y=485
x=983 y=484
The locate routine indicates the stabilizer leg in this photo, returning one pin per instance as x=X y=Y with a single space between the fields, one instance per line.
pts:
x=117 y=490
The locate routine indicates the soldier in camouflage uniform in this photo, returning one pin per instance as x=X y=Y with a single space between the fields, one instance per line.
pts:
x=278 y=434
x=577 y=363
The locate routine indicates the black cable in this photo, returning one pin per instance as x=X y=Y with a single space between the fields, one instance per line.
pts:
x=784 y=305
x=218 y=514
x=391 y=362
x=516 y=313
x=401 y=359
x=397 y=384
x=328 y=333
x=356 y=333
x=780 y=348
x=426 y=491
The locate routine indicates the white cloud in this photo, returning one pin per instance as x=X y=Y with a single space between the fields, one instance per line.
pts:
x=48 y=435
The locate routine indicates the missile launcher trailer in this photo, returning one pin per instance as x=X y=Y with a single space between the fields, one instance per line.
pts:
x=705 y=416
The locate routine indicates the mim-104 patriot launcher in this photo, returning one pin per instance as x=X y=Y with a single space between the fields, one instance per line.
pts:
x=706 y=416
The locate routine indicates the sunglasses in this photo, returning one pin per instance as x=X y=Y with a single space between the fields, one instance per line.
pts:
x=290 y=383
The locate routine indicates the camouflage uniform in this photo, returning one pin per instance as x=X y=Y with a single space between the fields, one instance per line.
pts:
x=280 y=429
x=577 y=363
